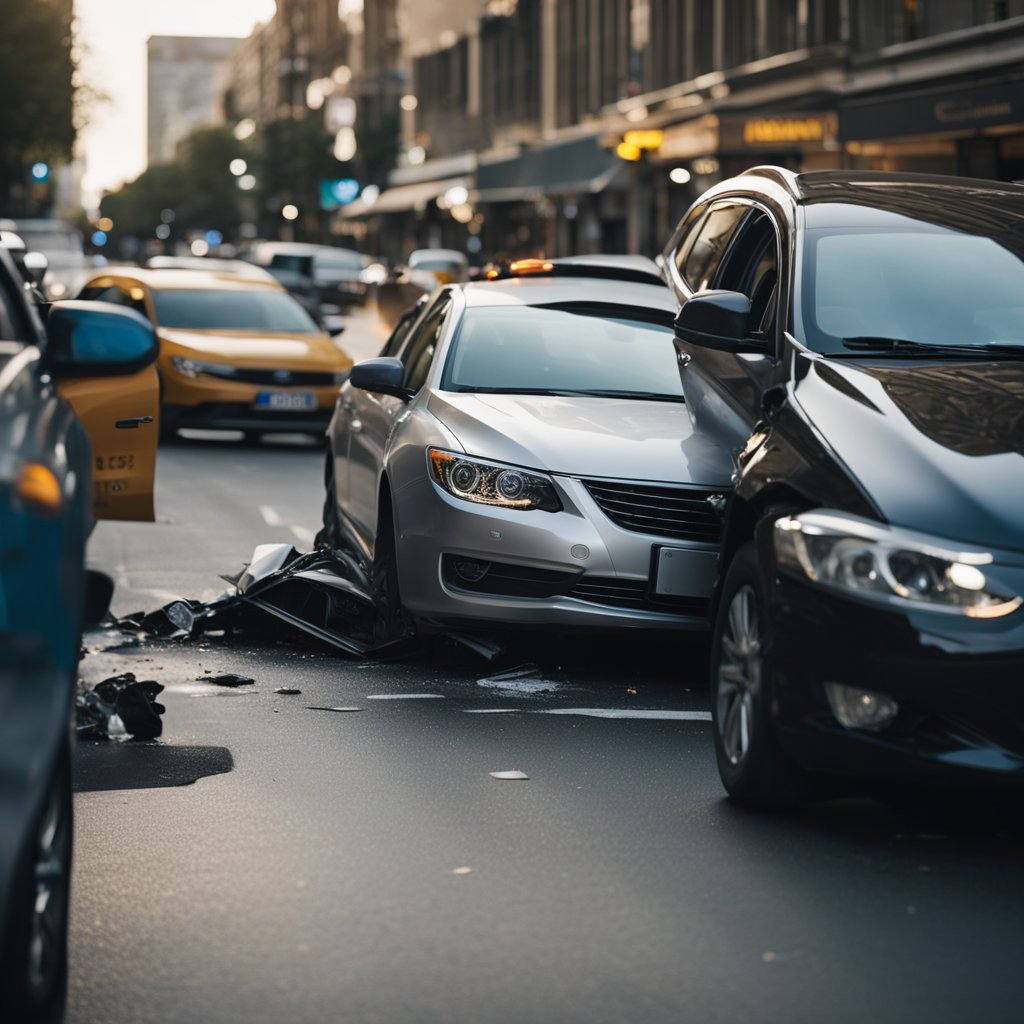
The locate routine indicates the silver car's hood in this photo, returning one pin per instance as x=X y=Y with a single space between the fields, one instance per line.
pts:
x=598 y=437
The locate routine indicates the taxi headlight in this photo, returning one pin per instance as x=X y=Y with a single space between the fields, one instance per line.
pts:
x=874 y=562
x=490 y=483
x=192 y=368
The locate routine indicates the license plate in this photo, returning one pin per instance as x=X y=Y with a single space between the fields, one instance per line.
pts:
x=286 y=401
x=684 y=572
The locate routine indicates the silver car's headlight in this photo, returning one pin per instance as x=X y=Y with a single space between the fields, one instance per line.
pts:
x=489 y=483
x=875 y=562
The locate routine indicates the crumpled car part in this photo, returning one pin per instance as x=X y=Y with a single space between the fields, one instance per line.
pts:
x=119 y=707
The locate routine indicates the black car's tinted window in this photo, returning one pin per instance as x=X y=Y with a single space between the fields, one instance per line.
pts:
x=752 y=267
x=912 y=281
x=710 y=244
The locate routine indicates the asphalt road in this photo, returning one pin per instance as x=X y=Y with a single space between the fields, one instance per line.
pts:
x=266 y=862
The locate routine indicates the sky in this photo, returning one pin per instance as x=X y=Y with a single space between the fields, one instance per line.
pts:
x=114 y=34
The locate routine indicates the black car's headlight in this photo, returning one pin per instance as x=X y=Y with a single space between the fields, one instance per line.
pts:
x=489 y=483
x=193 y=368
x=875 y=562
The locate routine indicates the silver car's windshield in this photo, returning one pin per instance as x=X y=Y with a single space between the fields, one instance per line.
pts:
x=211 y=310
x=563 y=351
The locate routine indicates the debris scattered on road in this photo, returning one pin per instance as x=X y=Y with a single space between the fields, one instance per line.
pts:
x=174 y=621
x=462 y=871
x=228 y=679
x=511 y=776
x=288 y=690
x=120 y=707
x=314 y=707
x=522 y=679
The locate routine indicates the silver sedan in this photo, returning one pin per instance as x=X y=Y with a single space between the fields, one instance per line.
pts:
x=520 y=453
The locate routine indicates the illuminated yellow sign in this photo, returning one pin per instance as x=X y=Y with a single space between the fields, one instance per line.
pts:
x=627 y=151
x=644 y=139
x=769 y=130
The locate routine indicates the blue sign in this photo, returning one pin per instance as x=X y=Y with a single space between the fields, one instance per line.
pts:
x=338 y=192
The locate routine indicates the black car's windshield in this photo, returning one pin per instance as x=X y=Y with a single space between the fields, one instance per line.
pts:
x=210 y=310
x=564 y=351
x=912 y=282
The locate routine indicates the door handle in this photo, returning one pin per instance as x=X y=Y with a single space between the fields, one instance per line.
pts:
x=134 y=423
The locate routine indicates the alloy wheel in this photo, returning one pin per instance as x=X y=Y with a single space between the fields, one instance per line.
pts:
x=739 y=675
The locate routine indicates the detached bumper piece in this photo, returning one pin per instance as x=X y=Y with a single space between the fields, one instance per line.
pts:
x=323 y=594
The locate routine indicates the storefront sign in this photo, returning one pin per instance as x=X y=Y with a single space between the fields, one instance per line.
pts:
x=778 y=132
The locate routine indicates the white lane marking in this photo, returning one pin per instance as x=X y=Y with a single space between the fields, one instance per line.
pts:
x=270 y=516
x=682 y=716
x=490 y=711
x=512 y=776
x=405 y=696
x=304 y=535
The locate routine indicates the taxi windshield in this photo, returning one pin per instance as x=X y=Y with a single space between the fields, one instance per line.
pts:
x=208 y=310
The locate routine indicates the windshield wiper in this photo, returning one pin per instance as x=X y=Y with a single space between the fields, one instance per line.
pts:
x=903 y=346
x=653 y=396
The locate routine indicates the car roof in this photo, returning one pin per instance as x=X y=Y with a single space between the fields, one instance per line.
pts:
x=544 y=290
x=299 y=249
x=173 y=278
x=418 y=255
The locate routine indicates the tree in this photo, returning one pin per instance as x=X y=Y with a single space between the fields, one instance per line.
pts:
x=36 y=83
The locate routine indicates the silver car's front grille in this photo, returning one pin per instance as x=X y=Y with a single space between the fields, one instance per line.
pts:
x=683 y=513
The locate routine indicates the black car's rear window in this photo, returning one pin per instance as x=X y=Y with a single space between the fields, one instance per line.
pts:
x=210 y=310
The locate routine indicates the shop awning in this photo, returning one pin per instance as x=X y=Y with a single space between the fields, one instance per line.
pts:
x=561 y=169
x=405 y=197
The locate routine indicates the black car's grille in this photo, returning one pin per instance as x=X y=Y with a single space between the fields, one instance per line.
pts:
x=679 y=512
x=625 y=593
x=276 y=378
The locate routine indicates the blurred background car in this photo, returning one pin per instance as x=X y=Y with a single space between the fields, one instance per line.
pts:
x=326 y=279
x=520 y=454
x=235 y=353
x=61 y=243
x=447 y=265
x=52 y=482
x=222 y=265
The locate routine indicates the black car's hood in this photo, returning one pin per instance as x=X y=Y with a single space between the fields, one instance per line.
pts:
x=937 y=447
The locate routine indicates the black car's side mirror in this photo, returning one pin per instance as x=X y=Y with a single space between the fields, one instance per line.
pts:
x=383 y=376
x=717 y=319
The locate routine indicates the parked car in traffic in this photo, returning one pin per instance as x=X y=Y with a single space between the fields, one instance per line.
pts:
x=61 y=243
x=857 y=339
x=222 y=265
x=236 y=353
x=91 y=370
x=519 y=454
x=328 y=280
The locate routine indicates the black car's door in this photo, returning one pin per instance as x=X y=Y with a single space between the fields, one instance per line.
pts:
x=724 y=390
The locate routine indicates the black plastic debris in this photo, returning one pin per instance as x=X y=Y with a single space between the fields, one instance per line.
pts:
x=119 y=707
x=288 y=690
x=228 y=679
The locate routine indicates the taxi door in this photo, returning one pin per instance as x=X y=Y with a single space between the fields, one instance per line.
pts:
x=121 y=416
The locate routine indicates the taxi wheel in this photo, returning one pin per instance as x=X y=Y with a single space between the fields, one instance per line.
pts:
x=34 y=973
x=753 y=768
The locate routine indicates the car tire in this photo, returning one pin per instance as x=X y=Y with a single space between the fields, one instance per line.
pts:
x=329 y=536
x=753 y=768
x=34 y=971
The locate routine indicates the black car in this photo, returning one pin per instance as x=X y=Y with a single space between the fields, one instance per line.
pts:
x=51 y=480
x=855 y=340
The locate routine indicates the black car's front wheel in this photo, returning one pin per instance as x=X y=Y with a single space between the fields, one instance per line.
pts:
x=753 y=769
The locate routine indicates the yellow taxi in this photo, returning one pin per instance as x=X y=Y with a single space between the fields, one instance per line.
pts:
x=235 y=353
